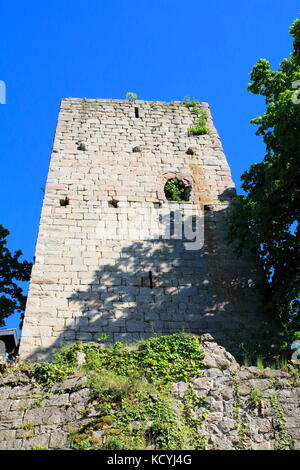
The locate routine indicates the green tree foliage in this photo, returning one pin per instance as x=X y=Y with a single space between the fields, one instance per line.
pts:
x=266 y=219
x=11 y=270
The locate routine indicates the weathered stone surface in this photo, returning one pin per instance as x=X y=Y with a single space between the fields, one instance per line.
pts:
x=71 y=384
x=180 y=389
x=58 y=440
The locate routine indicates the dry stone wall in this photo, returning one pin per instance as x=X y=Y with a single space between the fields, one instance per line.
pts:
x=110 y=160
x=244 y=407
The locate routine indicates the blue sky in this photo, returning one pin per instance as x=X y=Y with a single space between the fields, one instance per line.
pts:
x=160 y=49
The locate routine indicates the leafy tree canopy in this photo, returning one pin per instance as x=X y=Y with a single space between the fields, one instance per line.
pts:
x=266 y=219
x=11 y=270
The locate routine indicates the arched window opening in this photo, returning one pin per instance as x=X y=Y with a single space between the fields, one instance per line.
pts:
x=177 y=190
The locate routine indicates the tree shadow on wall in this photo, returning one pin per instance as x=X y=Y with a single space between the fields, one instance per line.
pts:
x=158 y=287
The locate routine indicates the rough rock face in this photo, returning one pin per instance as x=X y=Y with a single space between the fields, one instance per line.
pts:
x=216 y=355
x=242 y=407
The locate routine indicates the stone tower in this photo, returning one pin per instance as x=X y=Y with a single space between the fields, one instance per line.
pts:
x=110 y=162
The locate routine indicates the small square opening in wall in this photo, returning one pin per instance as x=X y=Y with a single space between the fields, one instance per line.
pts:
x=136 y=112
x=64 y=202
x=81 y=146
x=113 y=203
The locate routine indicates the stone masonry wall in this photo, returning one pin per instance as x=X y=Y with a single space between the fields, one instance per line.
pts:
x=32 y=417
x=105 y=166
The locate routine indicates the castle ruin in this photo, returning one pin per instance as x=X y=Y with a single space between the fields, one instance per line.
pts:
x=110 y=162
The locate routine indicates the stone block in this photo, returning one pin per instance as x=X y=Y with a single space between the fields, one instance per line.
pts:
x=135 y=326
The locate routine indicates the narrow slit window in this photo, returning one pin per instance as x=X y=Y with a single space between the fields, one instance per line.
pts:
x=150 y=279
x=136 y=112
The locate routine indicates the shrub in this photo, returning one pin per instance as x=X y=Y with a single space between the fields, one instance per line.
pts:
x=200 y=128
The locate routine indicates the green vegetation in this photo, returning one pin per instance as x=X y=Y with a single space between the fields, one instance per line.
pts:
x=28 y=426
x=132 y=393
x=266 y=219
x=237 y=414
x=11 y=270
x=31 y=436
x=134 y=418
x=49 y=373
x=132 y=403
x=256 y=396
x=161 y=360
x=200 y=128
x=35 y=404
x=174 y=190
x=262 y=349
x=260 y=362
x=237 y=401
x=283 y=442
x=131 y=96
